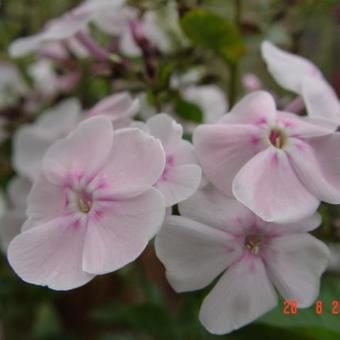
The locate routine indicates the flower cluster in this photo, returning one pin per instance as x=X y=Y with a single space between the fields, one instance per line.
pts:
x=94 y=183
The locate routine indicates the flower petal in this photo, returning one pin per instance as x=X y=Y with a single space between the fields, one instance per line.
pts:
x=117 y=106
x=223 y=149
x=303 y=127
x=321 y=100
x=301 y=226
x=121 y=232
x=212 y=208
x=288 y=69
x=179 y=183
x=50 y=255
x=295 y=264
x=242 y=294
x=313 y=173
x=163 y=127
x=136 y=162
x=45 y=202
x=268 y=186
x=83 y=152
x=255 y=108
x=193 y=254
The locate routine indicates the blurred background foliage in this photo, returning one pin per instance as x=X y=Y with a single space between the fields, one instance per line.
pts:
x=136 y=302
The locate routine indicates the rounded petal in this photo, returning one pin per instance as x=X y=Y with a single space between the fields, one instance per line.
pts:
x=50 y=255
x=242 y=294
x=295 y=264
x=311 y=172
x=184 y=153
x=288 y=69
x=117 y=106
x=122 y=231
x=136 y=162
x=255 y=108
x=193 y=254
x=163 y=127
x=212 y=208
x=84 y=152
x=269 y=187
x=179 y=183
x=301 y=226
x=45 y=202
x=302 y=127
x=321 y=100
x=223 y=149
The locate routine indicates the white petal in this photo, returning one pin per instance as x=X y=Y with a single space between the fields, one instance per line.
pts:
x=288 y=69
x=268 y=186
x=193 y=254
x=123 y=231
x=179 y=183
x=84 y=152
x=243 y=294
x=50 y=255
x=295 y=264
x=214 y=209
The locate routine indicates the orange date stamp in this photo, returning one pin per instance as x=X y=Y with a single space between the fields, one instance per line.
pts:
x=291 y=307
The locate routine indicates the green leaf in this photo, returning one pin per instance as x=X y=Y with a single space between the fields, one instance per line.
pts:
x=330 y=291
x=188 y=111
x=212 y=31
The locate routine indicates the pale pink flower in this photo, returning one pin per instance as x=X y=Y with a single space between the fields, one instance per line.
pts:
x=218 y=235
x=67 y=26
x=31 y=141
x=119 y=107
x=300 y=76
x=181 y=176
x=92 y=210
x=13 y=216
x=278 y=164
x=161 y=28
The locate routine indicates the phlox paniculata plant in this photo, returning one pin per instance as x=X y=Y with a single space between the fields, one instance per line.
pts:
x=231 y=199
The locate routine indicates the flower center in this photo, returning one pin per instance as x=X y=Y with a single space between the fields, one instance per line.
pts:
x=253 y=243
x=84 y=202
x=277 y=138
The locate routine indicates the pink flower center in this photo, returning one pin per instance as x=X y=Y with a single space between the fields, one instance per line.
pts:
x=277 y=138
x=253 y=243
x=84 y=201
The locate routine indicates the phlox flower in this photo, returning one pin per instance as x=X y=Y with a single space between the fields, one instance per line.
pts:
x=300 y=76
x=32 y=140
x=92 y=209
x=68 y=25
x=278 y=164
x=182 y=175
x=119 y=107
x=13 y=215
x=160 y=26
x=216 y=236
